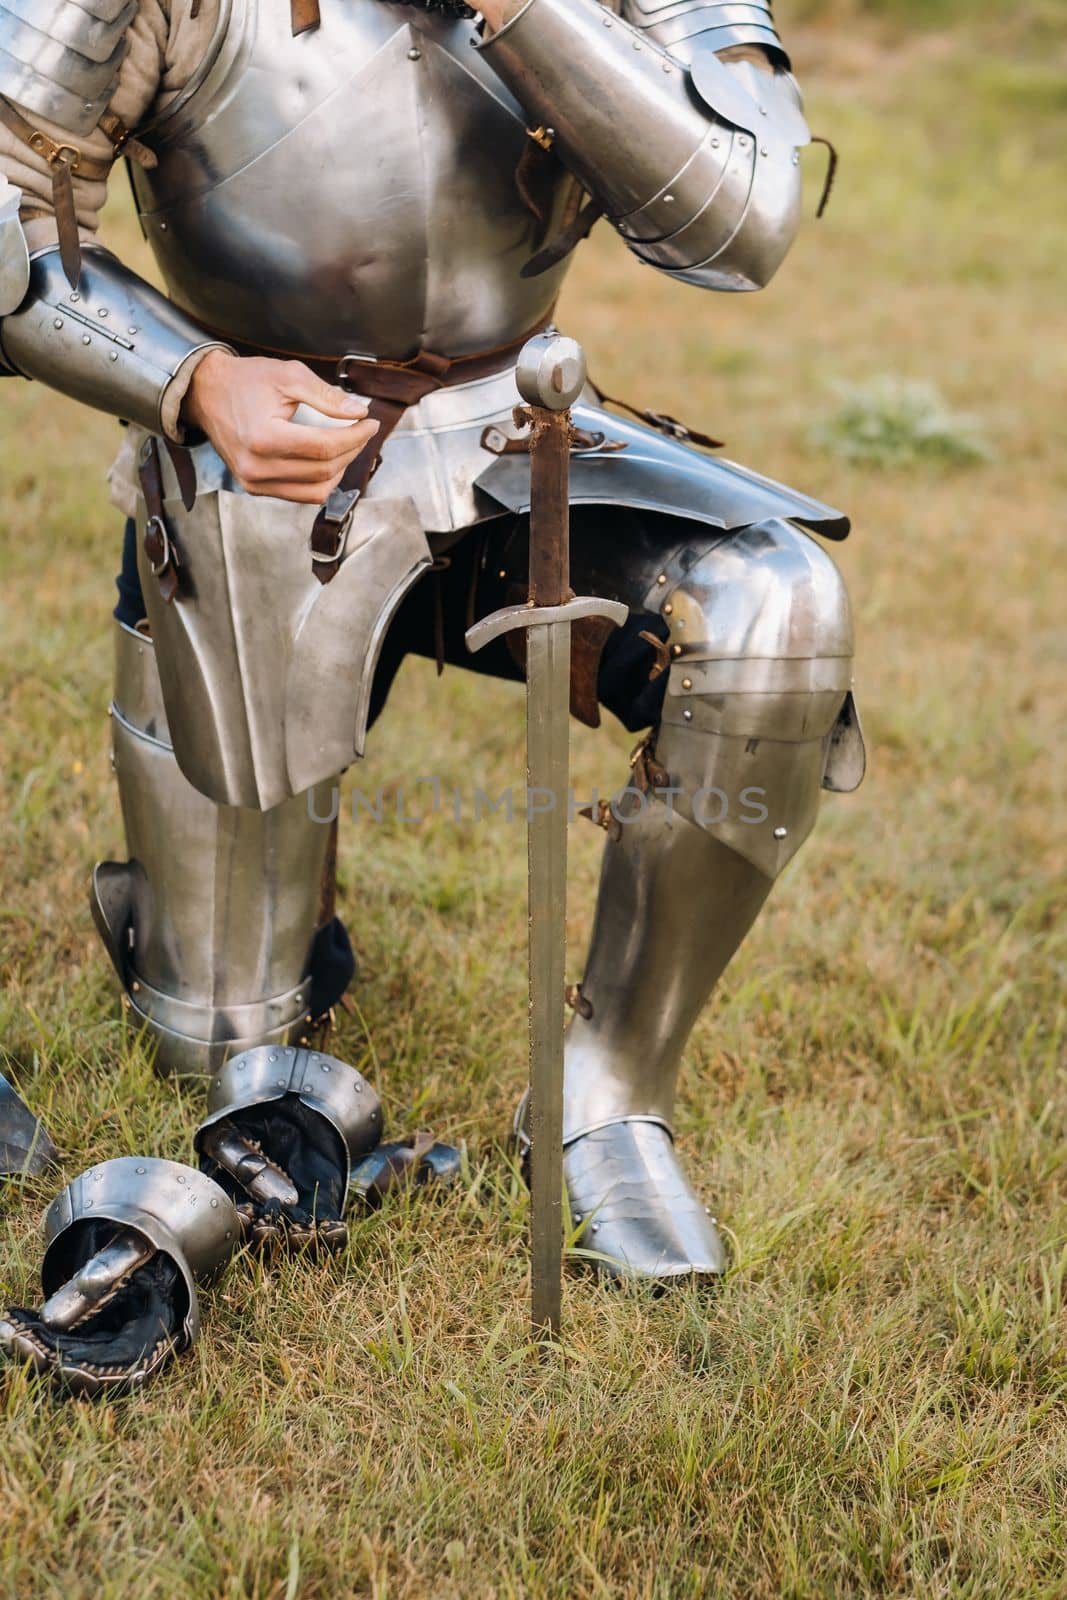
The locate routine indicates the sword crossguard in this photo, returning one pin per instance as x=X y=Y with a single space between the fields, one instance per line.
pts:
x=510 y=618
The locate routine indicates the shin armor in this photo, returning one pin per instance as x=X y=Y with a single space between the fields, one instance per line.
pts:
x=211 y=922
x=757 y=718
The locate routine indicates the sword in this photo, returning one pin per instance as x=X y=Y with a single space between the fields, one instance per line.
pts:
x=550 y=375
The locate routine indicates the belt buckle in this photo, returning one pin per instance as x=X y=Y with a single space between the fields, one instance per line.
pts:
x=344 y=376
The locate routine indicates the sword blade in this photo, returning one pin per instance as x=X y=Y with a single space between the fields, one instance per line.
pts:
x=548 y=660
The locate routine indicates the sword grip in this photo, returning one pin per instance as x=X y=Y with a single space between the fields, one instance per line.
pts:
x=550 y=563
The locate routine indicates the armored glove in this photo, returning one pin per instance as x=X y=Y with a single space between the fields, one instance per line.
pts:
x=284 y=1126
x=124 y=1245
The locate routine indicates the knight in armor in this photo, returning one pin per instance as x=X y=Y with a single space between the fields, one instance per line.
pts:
x=361 y=211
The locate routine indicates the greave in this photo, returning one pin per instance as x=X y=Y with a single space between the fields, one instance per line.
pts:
x=211 y=921
x=757 y=719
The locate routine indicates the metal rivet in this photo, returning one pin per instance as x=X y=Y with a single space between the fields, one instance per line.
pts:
x=181 y=1178
x=687 y=716
x=662 y=578
x=75 y=296
x=132 y=330
x=577 y=1216
x=667 y=67
x=502 y=573
x=162 y=227
x=687 y=683
x=668 y=610
x=229 y=1233
x=58 y=322
x=103 y=312
x=668 y=199
x=88 y=1203
x=796 y=158
x=86 y=339
x=280 y=1082
x=135 y=986
x=595 y=1228
x=637 y=44
x=763 y=149
x=113 y=356
x=273 y=1056
x=414 y=55
x=780 y=833
x=676 y=649
x=762 y=110
x=358 y=1086
x=241 y=1065
x=715 y=144
x=214 y=1205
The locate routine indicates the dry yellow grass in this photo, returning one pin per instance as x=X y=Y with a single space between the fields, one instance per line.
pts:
x=874 y=1402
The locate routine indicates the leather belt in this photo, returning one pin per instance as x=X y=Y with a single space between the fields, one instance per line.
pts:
x=390 y=387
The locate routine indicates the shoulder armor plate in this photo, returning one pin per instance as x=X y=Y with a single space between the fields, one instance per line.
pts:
x=721 y=23
x=61 y=58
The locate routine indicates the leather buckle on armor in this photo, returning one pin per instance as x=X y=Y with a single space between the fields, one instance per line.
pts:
x=343 y=378
x=330 y=530
x=159 y=544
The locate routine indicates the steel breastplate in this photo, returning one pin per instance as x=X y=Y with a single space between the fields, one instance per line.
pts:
x=349 y=190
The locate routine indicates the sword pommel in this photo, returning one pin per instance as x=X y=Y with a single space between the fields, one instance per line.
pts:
x=551 y=371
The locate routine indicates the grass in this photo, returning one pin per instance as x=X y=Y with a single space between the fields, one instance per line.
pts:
x=874 y=1402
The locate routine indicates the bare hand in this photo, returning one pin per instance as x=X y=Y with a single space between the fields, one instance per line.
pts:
x=245 y=406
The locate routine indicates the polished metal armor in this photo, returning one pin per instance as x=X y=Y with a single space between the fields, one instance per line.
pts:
x=61 y=58
x=353 y=191
x=695 y=161
x=113 y=342
x=178 y=1210
x=266 y=674
x=332 y=1089
x=210 y=923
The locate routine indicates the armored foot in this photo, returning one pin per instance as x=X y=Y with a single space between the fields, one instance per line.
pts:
x=641 y=1217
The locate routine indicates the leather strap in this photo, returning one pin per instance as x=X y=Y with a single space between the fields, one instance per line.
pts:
x=125 y=143
x=391 y=387
x=185 y=472
x=159 y=545
x=565 y=241
x=64 y=161
x=304 y=14
x=661 y=421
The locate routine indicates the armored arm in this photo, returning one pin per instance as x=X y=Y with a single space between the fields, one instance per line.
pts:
x=695 y=158
x=76 y=318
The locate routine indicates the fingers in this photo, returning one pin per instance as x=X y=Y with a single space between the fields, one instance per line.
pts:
x=301 y=494
x=301 y=384
x=320 y=447
x=291 y=462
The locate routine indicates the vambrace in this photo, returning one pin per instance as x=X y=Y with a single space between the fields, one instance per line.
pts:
x=695 y=161
x=114 y=343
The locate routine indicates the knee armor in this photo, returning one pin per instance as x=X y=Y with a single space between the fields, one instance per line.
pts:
x=758 y=715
